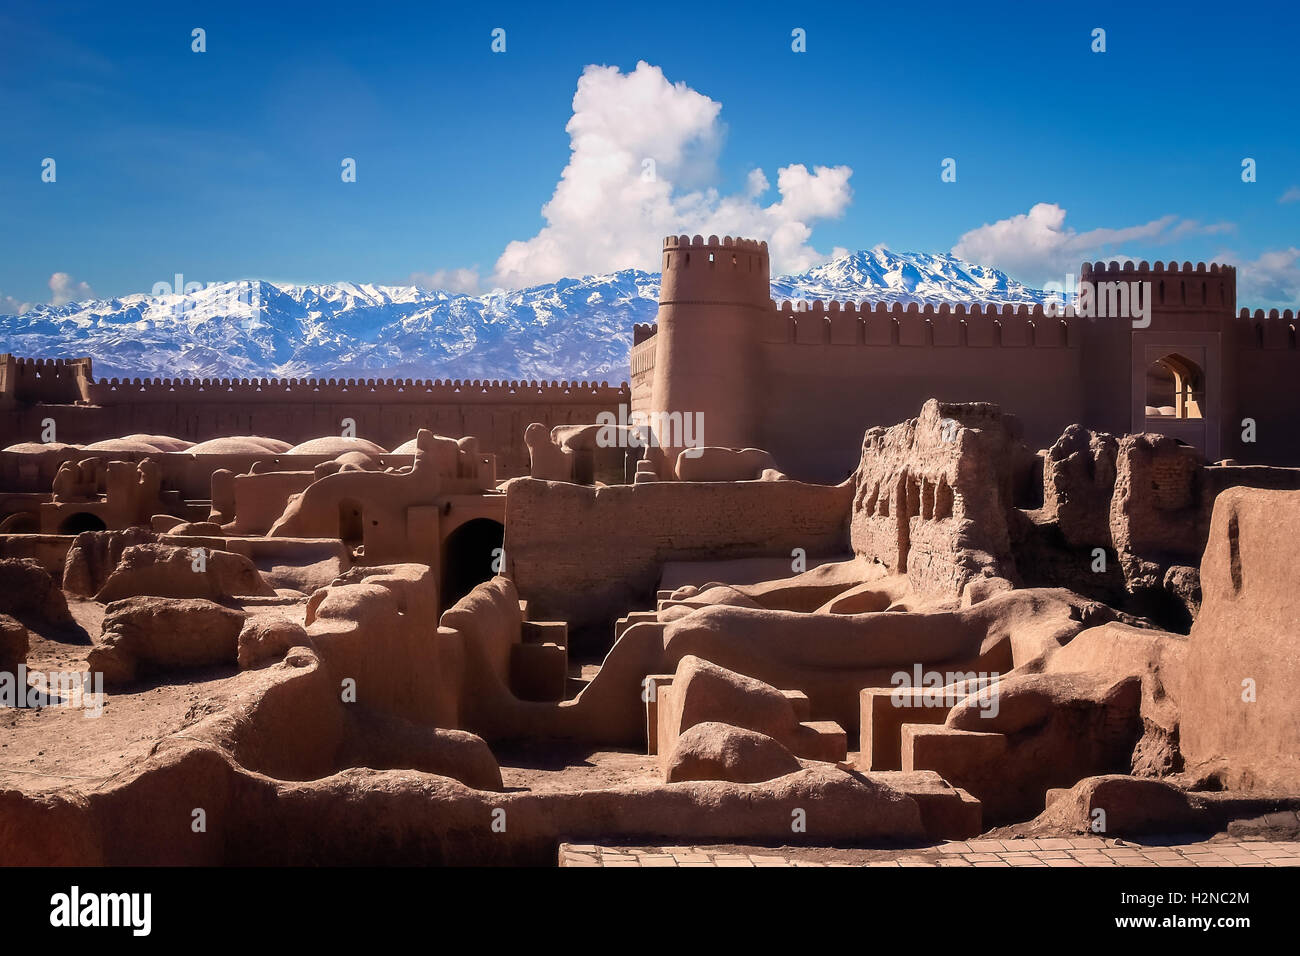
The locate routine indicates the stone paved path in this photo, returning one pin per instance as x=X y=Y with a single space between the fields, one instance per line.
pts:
x=1060 y=852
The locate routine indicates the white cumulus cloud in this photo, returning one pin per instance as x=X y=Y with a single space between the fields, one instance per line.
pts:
x=642 y=154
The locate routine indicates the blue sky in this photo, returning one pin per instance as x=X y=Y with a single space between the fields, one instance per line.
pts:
x=226 y=164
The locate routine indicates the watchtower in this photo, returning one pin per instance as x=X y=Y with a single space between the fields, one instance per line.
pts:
x=713 y=301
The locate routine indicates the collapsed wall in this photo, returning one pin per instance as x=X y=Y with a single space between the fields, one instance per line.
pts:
x=1125 y=520
x=933 y=494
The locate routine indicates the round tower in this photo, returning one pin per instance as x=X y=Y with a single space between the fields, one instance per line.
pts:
x=713 y=300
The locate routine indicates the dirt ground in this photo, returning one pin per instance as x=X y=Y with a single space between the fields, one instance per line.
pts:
x=47 y=747
x=547 y=767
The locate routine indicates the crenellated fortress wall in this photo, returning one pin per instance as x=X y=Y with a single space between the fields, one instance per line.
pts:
x=804 y=380
x=386 y=411
x=833 y=370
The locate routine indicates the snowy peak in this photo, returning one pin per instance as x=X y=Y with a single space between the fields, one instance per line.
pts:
x=879 y=275
x=575 y=328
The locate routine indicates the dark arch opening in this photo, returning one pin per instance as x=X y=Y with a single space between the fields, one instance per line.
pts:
x=351 y=523
x=468 y=556
x=82 y=521
x=21 y=522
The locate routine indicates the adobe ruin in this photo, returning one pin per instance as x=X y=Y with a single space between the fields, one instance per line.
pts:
x=924 y=608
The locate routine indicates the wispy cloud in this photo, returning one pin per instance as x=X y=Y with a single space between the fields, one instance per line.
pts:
x=1269 y=281
x=11 y=306
x=450 y=280
x=1038 y=246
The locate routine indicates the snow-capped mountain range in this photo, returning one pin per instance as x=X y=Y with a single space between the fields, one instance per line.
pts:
x=576 y=329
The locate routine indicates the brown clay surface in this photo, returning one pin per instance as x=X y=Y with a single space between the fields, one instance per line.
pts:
x=541 y=767
x=51 y=747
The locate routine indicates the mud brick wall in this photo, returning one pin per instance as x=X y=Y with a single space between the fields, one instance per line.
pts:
x=588 y=555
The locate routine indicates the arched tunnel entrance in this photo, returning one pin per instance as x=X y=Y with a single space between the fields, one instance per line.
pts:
x=81 y=521
x=468 y=558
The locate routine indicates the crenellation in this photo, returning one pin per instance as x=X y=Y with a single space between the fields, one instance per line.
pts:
x=381 y=389
x=889 y=324
x=1115 y=266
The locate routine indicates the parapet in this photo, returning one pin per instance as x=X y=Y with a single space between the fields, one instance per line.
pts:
x=912 y=324
x=1273 y=315
x=1203 y=286
x=351 y=390
x=908 y=308
x=1267 y=330
x=687 y=242
x=9 y=359
x=729 y=271
x=1093 y=269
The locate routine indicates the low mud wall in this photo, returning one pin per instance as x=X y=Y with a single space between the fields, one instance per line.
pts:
x=586 y=555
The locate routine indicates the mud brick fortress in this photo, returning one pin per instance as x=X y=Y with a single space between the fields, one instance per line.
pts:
x=932 y=575
x=803 y=380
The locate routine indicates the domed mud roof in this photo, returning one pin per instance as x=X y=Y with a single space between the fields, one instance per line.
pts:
x=240 y=445
x=335 y=445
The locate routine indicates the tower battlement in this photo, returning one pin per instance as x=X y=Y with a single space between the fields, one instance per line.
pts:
x=728 y=242
x=1203 y=287
x=53 y=381
x=1096 y=269
x=732 y=271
